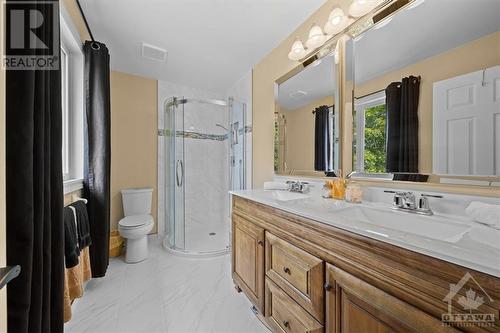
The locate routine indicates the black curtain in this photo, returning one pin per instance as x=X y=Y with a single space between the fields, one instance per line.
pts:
x=402 y=125
x=97 y=153
x=322 y=139
x=34 y=191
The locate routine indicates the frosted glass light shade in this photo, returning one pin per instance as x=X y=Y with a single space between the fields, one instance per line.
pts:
x=361 y=7
x=316 y=37
x=337 y=21
x=297 y=52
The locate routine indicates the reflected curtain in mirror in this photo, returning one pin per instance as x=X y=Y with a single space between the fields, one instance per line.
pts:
x=402 y=125
x=322 y=153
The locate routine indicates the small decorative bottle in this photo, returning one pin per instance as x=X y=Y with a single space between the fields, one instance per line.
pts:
x=353 y=193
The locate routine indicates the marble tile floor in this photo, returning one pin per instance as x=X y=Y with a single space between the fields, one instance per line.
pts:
x=164 y=293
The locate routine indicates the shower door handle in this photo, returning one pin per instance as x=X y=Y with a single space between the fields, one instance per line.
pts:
x=179 y=177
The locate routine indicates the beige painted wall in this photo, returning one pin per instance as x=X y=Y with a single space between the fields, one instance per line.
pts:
x=300 y=135
x=476 y=55
x=3 y=299
x=134 y=123
x=275 y=65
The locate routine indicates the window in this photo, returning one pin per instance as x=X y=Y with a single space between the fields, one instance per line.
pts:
x=65 y=113
x=71 y=63
x=371 y=133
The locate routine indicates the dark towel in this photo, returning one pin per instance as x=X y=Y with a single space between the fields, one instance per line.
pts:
x=71 y=249
x=82 y=221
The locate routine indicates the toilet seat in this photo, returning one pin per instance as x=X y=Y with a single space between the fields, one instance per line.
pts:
x=135 y=221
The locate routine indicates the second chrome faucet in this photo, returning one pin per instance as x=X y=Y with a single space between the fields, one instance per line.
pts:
x=406 y=201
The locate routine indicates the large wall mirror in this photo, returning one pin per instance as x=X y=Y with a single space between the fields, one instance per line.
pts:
x=307 y=119
x=426 y=85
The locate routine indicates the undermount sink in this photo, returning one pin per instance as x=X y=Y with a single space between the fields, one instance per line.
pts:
x=434 y=227
x=286 y=195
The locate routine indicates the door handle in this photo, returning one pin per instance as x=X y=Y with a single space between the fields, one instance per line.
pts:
x=8 y=273
x=179 y=177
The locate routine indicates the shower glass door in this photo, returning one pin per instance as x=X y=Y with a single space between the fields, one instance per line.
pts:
x=175 y=173
x=197 y=172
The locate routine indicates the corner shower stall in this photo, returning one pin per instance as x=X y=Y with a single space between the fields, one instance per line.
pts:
x=204 y=151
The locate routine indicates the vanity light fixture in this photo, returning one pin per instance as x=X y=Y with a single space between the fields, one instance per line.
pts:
x=316 y=37
x=337 y=22
x=298 y=51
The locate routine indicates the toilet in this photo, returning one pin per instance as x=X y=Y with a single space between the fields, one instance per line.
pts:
x=137 y=223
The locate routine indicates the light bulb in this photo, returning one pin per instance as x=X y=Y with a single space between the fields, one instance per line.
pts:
x=297 y=52
x=316 y=37
x=361 y=7
x=337 y=21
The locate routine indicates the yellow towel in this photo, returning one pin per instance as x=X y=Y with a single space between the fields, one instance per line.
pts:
x=74 y=279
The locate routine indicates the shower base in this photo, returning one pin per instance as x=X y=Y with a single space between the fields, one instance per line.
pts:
x=209 y=240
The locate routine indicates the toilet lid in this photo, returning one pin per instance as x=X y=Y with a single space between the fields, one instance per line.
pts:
x=135 y=220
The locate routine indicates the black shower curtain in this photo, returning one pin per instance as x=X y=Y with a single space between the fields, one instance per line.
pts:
x=322 y=139
x=97 y=164
x=34 y=193
x=402 y=125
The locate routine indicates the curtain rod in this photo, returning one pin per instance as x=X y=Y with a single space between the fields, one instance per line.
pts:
x=375 y=92
x=85 y=21
x=330 y=107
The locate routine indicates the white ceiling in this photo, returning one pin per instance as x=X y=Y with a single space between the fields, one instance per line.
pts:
x=210 y=43
x=433 y=27
x=316 y=81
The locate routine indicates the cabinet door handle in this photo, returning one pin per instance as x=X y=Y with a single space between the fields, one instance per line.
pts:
x=286 y=324
x=286 y=270
x=260 y=242
x=328 y=286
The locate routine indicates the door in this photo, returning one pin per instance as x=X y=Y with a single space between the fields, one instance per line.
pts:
x=466 y=124
x=174 y=173
x=248 y=260
x=354 y=306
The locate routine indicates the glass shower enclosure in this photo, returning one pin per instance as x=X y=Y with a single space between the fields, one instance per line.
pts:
x=204 y=159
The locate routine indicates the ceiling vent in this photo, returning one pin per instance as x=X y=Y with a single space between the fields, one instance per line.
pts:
x=154 y=53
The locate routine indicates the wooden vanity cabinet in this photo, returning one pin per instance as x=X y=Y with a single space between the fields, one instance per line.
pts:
x=353 y=305
x=248 y=260
x=305 y=276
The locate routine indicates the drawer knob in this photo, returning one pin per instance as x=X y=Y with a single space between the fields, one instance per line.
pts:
x=328 y=286
x=286 y=270
x=286 y=324
x=260 y=242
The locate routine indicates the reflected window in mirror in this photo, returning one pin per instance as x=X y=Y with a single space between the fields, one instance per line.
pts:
x=371 y=124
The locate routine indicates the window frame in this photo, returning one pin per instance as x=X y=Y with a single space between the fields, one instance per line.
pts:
x=360 y=106
x=72 y=91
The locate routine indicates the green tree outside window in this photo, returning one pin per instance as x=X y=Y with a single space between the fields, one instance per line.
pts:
x=375 y=139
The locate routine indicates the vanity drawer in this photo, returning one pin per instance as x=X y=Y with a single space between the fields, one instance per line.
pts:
x=297 y=272
x=283 y=314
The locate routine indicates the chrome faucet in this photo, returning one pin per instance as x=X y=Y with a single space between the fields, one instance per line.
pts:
x=406 y=201
x=298 y=186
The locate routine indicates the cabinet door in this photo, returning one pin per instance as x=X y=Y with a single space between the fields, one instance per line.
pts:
x=248 y=260
x=353 y=306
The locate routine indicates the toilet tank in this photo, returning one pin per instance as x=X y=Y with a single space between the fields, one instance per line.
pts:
x=137 y=201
